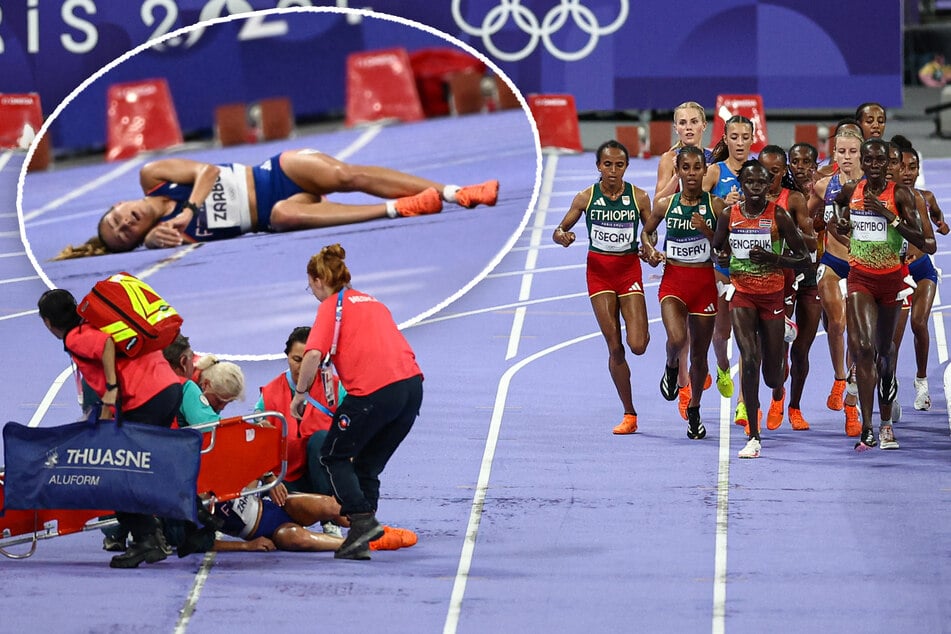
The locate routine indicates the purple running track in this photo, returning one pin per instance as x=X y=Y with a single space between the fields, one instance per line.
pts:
x=531 y=515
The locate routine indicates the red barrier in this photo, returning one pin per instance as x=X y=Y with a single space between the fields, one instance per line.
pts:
x=140 y=116
x=435 y=69
x=660 y=137
x=277 y=118
x=557 y=120
x=21 y=117
x=507 y=97
x=380 y=85
x=231 y=125
x=630 y=137
x=465 y=93
x=749 y=106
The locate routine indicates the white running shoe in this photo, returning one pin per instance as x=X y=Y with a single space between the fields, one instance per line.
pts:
x=751 y=450
x=331 y=529
x=922 y=398
x=886 y=437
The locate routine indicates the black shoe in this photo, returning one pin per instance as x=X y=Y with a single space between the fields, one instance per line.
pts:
x=867 y=440
x=363 y=529
x=196 y=540
x=668 y=383
x=148 y=550
x=211 y=520
x=695 y=429
x=359 y=555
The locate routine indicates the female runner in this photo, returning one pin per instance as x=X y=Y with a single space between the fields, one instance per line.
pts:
x=613 y=209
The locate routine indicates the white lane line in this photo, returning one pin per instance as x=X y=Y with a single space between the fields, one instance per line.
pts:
x=92 y=185
x=14 y=280
x=947 y=391
x=51 y=393
x=531 y=258
x=23 y=314
x=478 y=500
x=723 y=512
x=191 y=601
x=940 y=337
x=368 y=135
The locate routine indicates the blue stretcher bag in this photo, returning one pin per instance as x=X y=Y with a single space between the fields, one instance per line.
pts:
x=117 y=465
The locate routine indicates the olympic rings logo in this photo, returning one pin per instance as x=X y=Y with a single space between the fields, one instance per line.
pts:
x=583 y=17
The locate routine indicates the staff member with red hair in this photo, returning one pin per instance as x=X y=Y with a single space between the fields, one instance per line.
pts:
x=356 y=333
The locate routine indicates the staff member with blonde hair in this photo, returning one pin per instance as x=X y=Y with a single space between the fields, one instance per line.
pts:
x=357 y=334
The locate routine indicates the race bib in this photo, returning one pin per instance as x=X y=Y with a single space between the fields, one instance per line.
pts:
x=612 y=238
x=742 y=243
x=688 y=249
x=246 y=508
x=827 y=212
x=227 y=204
x=868 y=226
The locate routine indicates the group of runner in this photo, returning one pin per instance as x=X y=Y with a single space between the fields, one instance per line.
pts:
x=763 y=249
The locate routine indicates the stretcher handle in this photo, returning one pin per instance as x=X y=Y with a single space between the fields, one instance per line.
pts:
x=253 y=419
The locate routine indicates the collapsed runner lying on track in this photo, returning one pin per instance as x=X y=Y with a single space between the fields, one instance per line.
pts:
x=189 y=201
x=265 y=526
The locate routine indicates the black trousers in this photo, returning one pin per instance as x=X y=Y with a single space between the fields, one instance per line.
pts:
x=160 y=410
x=365 y=433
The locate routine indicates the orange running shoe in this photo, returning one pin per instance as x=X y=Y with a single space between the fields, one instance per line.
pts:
x=707 y=382
x=628 y=425
x=774 y=419
x=394 y=538
x=796 y=420
x=486 y=193
x=425 y=202
x=684 y=401
x=853 y=425
x=836 y=396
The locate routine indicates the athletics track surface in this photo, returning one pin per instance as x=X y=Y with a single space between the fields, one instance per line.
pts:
x=531 y=515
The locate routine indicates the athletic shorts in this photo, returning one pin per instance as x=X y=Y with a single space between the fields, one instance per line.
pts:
x=767 y=305
x=923 y=269
x=840 y=266
x=806 y=291
x=696 y=287
x=883 y=287
x=272 y=516
x=618 y=274
x=271 y=185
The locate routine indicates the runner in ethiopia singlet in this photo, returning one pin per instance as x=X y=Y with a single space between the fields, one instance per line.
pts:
x=746 y=233
x=612 y=224
x=684 y=242
x=226 y=211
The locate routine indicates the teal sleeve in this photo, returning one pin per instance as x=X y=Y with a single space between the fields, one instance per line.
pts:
x=259 y=406
x=195 y=409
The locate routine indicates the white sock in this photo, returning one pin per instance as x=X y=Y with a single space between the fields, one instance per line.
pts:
x=391 y=209
x=449 y=193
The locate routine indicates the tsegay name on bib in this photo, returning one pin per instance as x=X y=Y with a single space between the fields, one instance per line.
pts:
x=612 y=237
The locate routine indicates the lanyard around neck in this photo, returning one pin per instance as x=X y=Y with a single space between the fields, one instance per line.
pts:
x=310 y=399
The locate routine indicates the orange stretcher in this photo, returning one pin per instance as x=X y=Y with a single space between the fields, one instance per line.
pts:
x=235 y=451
